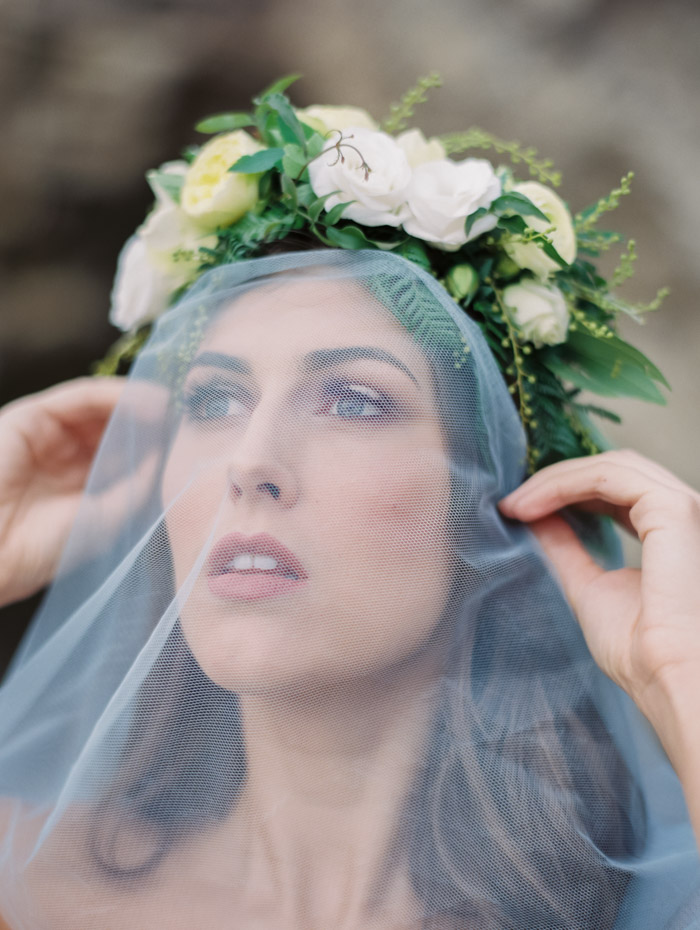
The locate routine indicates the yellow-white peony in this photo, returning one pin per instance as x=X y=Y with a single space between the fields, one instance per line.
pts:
x=528 y=254
x=212 y=195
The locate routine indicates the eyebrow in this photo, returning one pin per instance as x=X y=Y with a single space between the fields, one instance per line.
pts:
x=325 y=358
x=227 y=362
x=314 y=361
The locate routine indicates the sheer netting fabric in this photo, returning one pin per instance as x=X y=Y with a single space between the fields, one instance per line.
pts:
x=297 y=673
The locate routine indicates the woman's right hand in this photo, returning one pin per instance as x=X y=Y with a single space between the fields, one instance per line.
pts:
x=47 y=444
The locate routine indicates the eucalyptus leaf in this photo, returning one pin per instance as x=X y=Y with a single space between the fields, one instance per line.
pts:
x=225 y=122
x=258 y=162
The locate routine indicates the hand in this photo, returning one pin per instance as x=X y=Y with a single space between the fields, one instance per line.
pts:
x=642 y=626
x=48 y=441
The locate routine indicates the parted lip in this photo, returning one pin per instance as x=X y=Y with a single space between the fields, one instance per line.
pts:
x=227 y=548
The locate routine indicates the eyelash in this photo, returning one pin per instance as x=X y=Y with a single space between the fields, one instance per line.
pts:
x=332 y=393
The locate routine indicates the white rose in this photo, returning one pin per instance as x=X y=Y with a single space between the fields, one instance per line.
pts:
x=325 y=118
x=538 y=311
x=160 y=258
x=140 y=292
x=380 y=195
x=528 y=254
x=418 y=149
x=214 y=196
x=441 y=196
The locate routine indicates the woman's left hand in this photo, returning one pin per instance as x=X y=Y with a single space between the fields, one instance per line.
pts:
x=641 y=625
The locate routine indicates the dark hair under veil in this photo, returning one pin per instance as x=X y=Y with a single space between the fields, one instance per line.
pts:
x=528 y=774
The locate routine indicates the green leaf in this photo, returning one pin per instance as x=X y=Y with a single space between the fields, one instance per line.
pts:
x=294 y=161
x=336 y=212
x=259 y=162
x=518 y=203
x=316 y=208
x=305 y=195
x=225 y=122
x=290 y=126
x=170 y=183
x=280 y=85
x=609 y=367
x=289 y=189
x=349 y=237
x=472 y=218
x=414 y=251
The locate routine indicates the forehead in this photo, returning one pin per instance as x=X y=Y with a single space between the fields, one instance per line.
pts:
x=295 y=316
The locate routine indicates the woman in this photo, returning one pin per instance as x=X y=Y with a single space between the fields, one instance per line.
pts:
x=298 y=671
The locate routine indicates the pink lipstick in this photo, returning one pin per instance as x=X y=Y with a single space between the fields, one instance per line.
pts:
x=253 y=567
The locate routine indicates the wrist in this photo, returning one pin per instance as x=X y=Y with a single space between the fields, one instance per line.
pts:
x=671 y=704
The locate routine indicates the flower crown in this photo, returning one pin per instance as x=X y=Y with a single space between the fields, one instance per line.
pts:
x=508 y=251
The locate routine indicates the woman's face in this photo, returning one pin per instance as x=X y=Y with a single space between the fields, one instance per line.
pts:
x=311 y=467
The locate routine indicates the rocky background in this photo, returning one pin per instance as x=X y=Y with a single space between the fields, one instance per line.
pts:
x=94 y=92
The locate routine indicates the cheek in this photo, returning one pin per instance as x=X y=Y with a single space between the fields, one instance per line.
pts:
x=390 y=534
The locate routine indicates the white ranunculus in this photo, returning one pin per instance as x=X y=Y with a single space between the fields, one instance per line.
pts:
x=140 y=292
x=538 y=311
x=441 y=196
x=528 y=254
x=379 y=197
x=418 y=149
x=325 y=118
x=214 y=196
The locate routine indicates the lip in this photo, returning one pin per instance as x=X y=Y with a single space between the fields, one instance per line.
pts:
x=250 y=584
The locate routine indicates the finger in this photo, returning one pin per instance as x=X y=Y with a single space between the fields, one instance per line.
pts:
x=602 y=479
x=618 y=458
x=71 y=399
x=574 y=567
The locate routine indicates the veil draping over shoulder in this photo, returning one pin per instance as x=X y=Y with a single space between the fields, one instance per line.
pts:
x=296 y=672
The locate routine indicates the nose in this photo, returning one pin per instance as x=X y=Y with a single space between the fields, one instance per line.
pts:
x=259 y=469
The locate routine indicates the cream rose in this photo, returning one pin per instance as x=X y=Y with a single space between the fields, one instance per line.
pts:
x=325 y=118
x=379 y=196
x=441 y=196
x=528 y=254
x=538 y=311
x=214 y=196
x=418 y=149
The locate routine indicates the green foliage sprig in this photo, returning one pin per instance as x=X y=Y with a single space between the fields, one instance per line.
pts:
x=540 y=168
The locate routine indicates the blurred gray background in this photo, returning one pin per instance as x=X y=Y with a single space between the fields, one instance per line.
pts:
x=94 y=92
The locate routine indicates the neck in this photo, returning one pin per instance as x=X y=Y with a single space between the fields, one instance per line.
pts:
x=328 y=773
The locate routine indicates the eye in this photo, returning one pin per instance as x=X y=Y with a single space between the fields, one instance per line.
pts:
x=355 y=401
x=207 y=403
